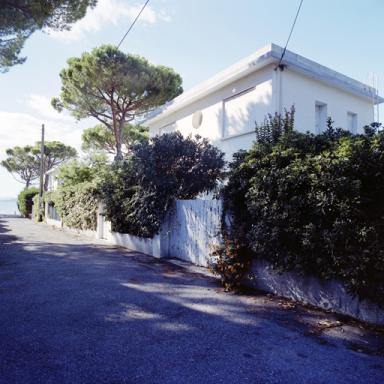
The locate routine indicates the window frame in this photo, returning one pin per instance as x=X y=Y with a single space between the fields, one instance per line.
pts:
x=238 y=94
x=322 y=126
x=354 y=120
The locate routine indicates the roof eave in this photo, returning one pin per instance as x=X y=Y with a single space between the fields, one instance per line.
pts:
x=270 y=54
x=257 y=61
x=326 y=75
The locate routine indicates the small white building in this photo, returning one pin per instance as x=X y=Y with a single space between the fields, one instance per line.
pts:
x=225 y=107
x=52 y=178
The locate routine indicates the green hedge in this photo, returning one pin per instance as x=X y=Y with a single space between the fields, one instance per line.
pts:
x=314 y=204
x=77 y=205
x=35 y=208
x=25 y=201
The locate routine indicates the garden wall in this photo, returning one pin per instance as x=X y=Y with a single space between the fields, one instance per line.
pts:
x=330 y=295
x=54 y=223
x=150 y=247
x=192 y=230
x=84 y=232
x=189 y=233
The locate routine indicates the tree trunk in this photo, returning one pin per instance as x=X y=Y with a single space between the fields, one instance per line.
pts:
x=119 y=140
x=46 y=181
x=27 y=183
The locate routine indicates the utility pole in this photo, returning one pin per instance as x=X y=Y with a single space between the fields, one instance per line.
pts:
x=41 y=205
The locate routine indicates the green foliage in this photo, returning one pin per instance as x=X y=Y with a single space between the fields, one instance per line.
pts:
x=35 y=208
x=25 y=161
x=274 y=127
x=55 y=153
x=139 y=191
x=181 y=167
x=76 y=198
x=76 y=172
x=25 y=200
x=21 y=161
x=314 y=204
x=99 y=138
x=77 y=205
x=114 y=87
x=131 y=208
x=231 y=263
x=19 y=19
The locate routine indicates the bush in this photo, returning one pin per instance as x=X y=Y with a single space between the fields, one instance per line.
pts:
x=139 y=191
x=35 y=207
x=76 y=199
x=314 y=204
x=25 y=201
x=77 y=205
x=231 y=262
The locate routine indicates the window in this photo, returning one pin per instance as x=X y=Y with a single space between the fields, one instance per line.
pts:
x=320 y=117
x=242 y=110
x=352 y=122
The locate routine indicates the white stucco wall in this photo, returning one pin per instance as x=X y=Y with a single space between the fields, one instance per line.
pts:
x=270 y=95
x=52 y=179
x=192 y=230
x=213 y=114
x=304 y=92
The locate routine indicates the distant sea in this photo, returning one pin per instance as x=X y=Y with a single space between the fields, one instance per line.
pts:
x=8 y=207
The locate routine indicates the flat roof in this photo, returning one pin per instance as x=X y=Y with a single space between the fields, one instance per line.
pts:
x=267 y=55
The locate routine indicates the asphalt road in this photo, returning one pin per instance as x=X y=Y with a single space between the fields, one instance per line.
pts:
x=73 y=312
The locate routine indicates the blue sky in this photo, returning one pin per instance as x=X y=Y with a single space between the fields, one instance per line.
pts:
x=195 y=37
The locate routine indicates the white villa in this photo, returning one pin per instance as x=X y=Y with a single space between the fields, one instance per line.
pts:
x=225 y=107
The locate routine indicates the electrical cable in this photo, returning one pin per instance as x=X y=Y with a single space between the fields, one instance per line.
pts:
x=290 y=33
x=133 y=23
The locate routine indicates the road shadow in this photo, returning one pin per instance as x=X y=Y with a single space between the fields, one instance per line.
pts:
x=76 y=312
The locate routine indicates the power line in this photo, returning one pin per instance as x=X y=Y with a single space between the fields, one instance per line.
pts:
x=133 y=23
x=290 y=33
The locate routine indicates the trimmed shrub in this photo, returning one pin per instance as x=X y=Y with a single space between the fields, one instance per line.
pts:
x=25 y=201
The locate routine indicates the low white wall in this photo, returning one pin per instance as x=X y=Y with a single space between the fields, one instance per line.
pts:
x=192 y=230
x=54 y=223
x=84 y=232
x=59 y=224
x=330 y=295
x=148 y=246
